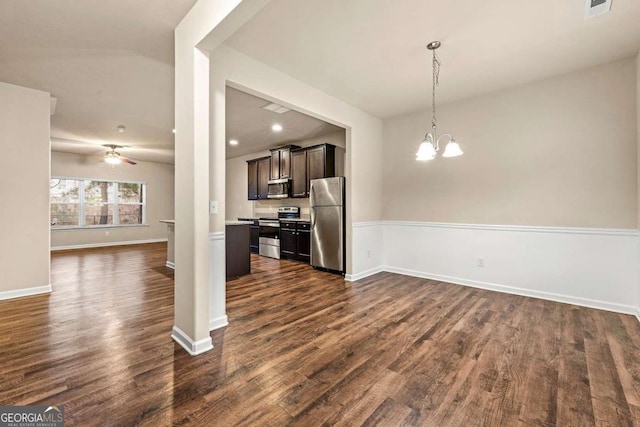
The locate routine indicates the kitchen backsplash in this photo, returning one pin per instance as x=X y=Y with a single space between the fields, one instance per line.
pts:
x=262 y=208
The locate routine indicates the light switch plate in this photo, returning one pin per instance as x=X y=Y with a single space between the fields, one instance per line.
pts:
x=213 y=206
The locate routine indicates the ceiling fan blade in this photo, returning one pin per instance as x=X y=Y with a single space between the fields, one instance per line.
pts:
x=125 y=159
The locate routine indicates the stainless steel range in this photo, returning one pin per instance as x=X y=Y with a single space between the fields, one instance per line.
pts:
x=269 y=234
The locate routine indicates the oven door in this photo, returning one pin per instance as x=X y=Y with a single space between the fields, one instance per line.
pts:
x=269 y=231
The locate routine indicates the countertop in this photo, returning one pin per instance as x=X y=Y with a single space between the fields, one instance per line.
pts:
x=302 y=219
x=171 y=221
x=238 y=223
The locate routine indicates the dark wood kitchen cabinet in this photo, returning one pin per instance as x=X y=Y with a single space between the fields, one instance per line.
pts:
x=295 y=240
x=304 y=241
x=254 y=233
x=238 y=255
x=281 y=162
x=319 y=162
x=263 y=177
x=255 y=237
x=288 y=242
x=299 y=173
x=252 y=179
x=258 y=178
x=300 y=165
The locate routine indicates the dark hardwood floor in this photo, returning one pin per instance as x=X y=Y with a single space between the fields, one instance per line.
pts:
x=306 y=348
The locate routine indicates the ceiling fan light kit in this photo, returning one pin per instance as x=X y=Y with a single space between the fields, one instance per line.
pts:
x=430 y=145
x=115 y=158
x=112 y=158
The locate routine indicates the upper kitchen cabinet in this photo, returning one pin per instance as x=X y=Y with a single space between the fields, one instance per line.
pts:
x=299 y=165
x=321 y=162
x=281 y=162
x=252 y=179
x=258 y=178
x=310 y=163
x=299 y=186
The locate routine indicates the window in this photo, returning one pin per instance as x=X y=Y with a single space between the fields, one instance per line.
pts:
x=92 y=203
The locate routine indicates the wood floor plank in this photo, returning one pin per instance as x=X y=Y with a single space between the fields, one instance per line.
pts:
x=305 y=348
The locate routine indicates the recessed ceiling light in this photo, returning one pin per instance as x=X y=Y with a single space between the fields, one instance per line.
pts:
x=276 y=128
x=233 y=142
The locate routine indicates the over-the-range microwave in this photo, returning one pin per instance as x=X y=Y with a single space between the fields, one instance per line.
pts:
x=278 y=188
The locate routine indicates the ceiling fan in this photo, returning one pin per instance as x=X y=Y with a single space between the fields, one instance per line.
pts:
x=113 y=157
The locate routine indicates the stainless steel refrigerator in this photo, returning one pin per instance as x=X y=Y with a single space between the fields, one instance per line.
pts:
x=327 y=201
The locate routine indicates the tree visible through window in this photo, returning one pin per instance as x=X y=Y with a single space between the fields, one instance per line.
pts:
x=90 y=203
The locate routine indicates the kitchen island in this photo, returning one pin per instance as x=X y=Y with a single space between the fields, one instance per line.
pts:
x=237 y=240
x=237 y=247
x=171 y=228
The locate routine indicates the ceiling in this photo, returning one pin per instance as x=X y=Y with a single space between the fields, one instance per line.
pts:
x=107 y=62
x=111 y=62
x=371 y=53
x=250 y=125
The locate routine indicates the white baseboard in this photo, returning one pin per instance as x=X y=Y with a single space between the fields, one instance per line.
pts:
x=218 y=322
x=107 y=244
x=638 y=314
x=17 y=293
x=363 y=274
x=171 y=265
x=192 y=347
x=584 y=302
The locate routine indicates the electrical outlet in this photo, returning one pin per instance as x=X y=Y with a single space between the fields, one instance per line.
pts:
x=213 y=206
x=480 y=262
x=368 y=253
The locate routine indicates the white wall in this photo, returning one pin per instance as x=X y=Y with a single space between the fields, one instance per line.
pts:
x=237 y=205
x=545 y=196
x=160 y=195
x=556 y=152
x=24 y=190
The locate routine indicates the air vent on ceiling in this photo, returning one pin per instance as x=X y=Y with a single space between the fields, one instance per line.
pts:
x=596 y=7
x=276 y=108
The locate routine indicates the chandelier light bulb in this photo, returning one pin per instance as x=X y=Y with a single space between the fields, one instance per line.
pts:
x=452 y=149
x=426 y=151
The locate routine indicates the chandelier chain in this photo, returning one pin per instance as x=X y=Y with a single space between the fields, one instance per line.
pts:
x=436 y=75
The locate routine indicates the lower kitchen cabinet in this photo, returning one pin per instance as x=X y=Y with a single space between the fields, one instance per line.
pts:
x=304 y=242
x=254 y=233
x=295 y=240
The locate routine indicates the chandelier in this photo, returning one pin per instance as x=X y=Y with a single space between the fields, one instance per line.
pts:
x=431 y=143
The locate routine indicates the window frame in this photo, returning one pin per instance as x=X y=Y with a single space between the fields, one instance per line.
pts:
x=115 y=204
